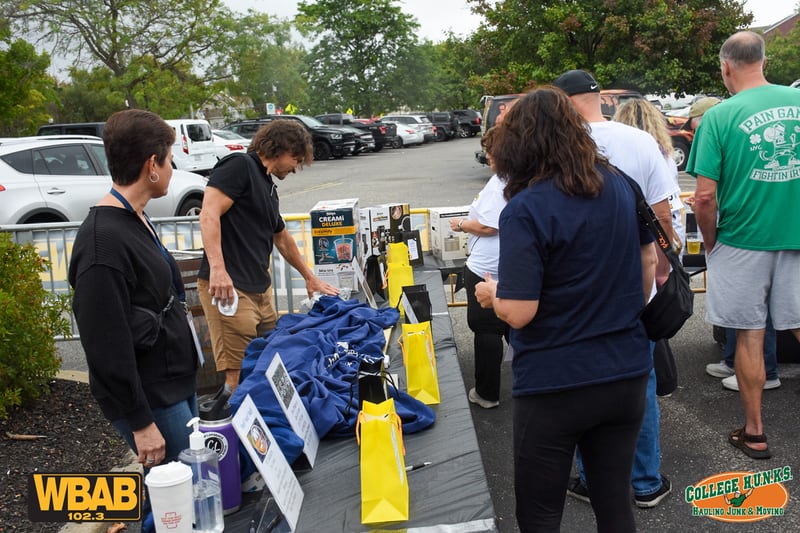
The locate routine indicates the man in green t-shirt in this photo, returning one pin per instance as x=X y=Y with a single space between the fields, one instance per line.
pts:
x=746 y=157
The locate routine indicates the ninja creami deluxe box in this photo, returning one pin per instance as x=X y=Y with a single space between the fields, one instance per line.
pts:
x=447 y=244
x=334 y=237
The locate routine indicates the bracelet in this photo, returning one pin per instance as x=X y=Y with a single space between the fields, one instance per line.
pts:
x=459 y=225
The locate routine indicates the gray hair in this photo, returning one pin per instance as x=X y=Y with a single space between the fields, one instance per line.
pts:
x=743 y=48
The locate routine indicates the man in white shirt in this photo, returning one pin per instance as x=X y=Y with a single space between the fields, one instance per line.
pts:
x=637 y=154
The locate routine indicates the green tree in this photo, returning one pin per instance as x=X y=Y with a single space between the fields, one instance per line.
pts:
x=656 y=46
x=24 y=87
x=782 y=58
x=358 y=43
x=257 y=58
x=135 y=39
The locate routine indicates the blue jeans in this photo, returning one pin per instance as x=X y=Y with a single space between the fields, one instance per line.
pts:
x=171 y=422
x=646 y=474
x=770 y=349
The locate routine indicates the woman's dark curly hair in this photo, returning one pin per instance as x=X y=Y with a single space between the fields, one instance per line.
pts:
x=281 y=136
x=543 y=137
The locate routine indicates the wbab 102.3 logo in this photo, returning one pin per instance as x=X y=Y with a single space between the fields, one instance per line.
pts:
x=84 y=497
x=741 y=496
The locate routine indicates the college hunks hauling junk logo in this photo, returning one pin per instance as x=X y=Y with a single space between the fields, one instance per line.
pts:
x=741 y=496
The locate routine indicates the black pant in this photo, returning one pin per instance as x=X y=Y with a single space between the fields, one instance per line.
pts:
x=488 y=341
x=603 y=420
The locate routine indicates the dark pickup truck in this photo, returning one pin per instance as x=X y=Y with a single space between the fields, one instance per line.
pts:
x=383 y=133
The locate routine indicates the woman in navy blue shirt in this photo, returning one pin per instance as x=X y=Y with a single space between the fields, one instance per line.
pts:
x=574 y=261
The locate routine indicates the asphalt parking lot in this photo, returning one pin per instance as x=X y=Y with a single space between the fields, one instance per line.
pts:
x=695 y=420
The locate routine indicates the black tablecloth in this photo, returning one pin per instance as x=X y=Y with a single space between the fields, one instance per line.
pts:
x=450 y=495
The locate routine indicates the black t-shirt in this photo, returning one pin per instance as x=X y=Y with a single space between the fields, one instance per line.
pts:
x=249 y=226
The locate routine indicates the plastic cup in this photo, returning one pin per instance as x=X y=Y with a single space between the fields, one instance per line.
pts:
x=344 y=248
x=693 y=243
x=170 y=488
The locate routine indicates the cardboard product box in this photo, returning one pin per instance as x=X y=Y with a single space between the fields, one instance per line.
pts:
x=382 y=224
x=447 y=244
x=334 y=231
x=341 y=275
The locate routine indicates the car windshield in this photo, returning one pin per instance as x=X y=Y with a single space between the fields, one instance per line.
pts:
x=228 y=135
x=311 y=122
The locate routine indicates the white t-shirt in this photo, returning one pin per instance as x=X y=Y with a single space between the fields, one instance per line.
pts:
x=486 y=208
x=635 y=152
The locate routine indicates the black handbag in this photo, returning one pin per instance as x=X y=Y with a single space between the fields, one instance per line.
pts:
x=673 y=304
x=146 y=325
x=420 y=302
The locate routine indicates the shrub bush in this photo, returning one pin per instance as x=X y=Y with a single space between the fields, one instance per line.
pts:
x=30 y=318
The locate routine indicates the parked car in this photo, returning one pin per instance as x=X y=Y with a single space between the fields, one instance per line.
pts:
x=469 y=122
x=382 y=133
x=492 y=106
x=78 y=128
x=194 y=148
x=446 y=124
x=612 y=99
x=328 y=141
x=246 y=128
x=425 y=125
x=228 y=142
x=58 y=178
x=407 y=134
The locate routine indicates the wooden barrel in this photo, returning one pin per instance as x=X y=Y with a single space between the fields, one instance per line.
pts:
x=208 y=379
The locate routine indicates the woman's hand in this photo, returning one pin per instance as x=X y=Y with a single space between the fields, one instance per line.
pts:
x=485 y=292
x=151 y=445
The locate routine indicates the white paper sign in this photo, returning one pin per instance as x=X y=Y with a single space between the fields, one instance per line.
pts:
x=293 y=407
x=269 y=459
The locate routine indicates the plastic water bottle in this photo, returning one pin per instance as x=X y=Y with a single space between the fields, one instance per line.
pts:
x=206 y=492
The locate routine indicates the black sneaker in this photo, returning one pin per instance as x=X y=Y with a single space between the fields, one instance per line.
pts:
x=578 y=490
x=651 y=500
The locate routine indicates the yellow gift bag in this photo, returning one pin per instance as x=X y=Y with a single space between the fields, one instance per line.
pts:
x=384 y=484
x=398 y=276
x=419 y=359
x=397 y=252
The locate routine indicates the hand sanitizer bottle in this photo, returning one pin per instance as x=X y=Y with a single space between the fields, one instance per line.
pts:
x=208 y=517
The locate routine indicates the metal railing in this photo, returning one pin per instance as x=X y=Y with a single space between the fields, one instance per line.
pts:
x=181 y=236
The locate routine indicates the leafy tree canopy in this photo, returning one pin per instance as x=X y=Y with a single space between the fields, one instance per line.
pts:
x=655 y=46
x=359 y=45
x=24 y=86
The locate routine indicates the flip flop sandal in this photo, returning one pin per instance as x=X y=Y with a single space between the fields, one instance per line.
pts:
x=739 y=439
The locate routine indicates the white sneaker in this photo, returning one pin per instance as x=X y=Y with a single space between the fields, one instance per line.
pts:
x=719 y=370
x=474 y=397
x=730 y=383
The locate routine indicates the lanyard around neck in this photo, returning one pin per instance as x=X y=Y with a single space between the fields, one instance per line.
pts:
x=176 y=279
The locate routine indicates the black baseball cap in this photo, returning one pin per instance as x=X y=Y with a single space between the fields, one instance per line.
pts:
x=577 y=82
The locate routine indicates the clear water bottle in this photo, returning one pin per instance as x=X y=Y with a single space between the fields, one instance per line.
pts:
x=206 y=490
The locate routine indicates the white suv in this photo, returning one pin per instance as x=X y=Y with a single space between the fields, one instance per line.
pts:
x=194 y=149
x=57 y=178
x=420 y=122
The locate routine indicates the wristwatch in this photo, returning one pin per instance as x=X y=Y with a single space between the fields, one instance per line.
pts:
x=459 y=225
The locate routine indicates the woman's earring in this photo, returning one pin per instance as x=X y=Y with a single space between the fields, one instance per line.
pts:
x=154 y=173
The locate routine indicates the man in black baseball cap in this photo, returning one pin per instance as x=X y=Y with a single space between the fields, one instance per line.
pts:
x=637 y=154
x=577 y=82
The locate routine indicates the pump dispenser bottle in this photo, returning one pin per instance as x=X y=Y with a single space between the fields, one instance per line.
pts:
x=206 y=492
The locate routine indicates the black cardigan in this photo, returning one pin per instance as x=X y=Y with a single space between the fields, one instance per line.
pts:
x=116 y=263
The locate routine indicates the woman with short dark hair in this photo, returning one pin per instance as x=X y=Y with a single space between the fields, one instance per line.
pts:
x=574 y=261
x=127 y=299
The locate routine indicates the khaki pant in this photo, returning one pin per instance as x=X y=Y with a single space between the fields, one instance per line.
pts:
x=230 y=335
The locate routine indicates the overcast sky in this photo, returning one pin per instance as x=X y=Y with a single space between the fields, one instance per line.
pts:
x=436 y=17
